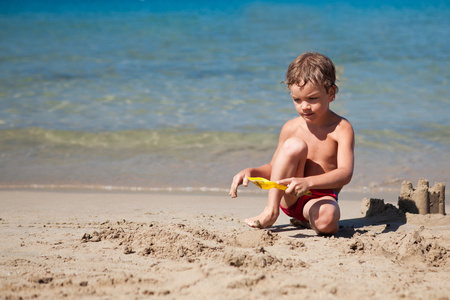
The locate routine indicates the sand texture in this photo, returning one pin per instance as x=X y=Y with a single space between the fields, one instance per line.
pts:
x=57 y=245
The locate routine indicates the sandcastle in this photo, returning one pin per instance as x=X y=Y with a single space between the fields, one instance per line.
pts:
x=423 y=199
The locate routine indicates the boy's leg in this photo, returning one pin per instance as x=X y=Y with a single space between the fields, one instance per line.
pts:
x=323 y=215
x=289 y=162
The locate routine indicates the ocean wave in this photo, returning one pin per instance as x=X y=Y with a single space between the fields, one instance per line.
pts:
x=148 y=140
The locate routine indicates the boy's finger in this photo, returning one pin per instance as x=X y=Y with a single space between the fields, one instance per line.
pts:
x=245 y=181
x=233 y=189
x=286 y=181
x=233 y=192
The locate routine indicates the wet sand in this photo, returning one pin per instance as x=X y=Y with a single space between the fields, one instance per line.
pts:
x=195 y=246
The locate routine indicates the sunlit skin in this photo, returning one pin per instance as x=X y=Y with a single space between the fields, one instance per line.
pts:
x=315 y=151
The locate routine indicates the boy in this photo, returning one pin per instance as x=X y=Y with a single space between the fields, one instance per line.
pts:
x=314 y=153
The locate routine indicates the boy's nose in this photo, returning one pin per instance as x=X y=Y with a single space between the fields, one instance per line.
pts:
x=305 y=106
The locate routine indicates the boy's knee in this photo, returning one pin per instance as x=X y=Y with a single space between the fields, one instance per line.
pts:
x=294 y=147
x=328 y=222
x=327 y=228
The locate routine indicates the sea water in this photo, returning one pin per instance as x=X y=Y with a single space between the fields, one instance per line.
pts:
x=153 y=95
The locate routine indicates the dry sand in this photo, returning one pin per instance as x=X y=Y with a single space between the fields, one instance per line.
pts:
x=195 y=246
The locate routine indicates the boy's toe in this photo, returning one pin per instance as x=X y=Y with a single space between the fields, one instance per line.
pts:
x=253 y=223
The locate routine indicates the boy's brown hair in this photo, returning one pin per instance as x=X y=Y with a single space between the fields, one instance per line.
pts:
x=312 y=67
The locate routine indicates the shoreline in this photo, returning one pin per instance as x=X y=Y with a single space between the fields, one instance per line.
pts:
x=251 y=190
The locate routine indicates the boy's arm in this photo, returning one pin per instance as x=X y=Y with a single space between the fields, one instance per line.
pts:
x=336 y=178
x=241 y=177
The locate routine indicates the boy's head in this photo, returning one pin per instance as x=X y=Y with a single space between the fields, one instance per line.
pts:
x=312 y=67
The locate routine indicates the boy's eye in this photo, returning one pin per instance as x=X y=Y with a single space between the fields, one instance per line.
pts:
x=308 y=99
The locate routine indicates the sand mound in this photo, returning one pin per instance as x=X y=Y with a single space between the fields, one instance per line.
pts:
x=179 y=242
x=376 y=208
x=164 y=242
x=412 y=248
x=256 y=238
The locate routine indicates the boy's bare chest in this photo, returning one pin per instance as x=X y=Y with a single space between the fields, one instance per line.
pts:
x=322 y=149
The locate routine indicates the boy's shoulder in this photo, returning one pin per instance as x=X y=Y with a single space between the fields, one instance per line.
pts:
x=338 y=121
x=293 y=124
x=345 y=124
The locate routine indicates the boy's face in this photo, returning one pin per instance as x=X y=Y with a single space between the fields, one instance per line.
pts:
x=311 y=101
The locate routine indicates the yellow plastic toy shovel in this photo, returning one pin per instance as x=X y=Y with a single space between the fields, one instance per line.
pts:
x=267 y=184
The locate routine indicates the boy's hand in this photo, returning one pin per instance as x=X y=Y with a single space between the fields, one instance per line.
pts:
x=240 y=178
x=296 y=186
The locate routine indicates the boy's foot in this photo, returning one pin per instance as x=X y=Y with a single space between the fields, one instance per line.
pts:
x=298 y=223
x=262 y=221
x=253 y=223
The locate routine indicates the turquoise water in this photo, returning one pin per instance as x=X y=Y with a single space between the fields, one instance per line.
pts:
x=154 y=94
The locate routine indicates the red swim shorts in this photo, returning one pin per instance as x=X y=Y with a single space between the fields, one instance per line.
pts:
x=296 y=210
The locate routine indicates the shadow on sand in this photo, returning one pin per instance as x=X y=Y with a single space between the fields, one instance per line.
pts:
x=385 y=219
x=383 y=223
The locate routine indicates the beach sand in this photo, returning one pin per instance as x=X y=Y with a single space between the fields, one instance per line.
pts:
x=100 y=245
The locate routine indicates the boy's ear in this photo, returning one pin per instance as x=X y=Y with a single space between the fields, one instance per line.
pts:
x=332 y=93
